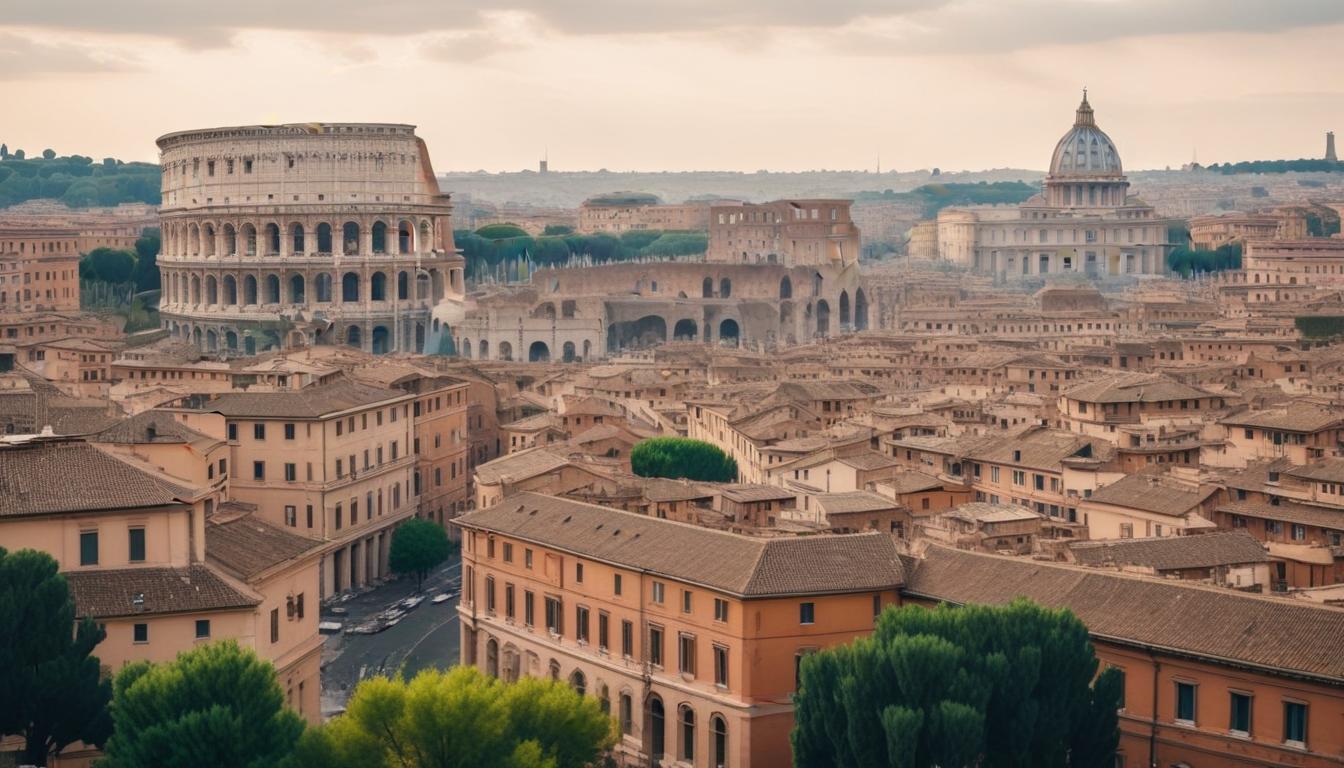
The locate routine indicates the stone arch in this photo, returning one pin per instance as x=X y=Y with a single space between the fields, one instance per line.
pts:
x=350 y=287
x=231 y=339
x=860 y=310
x=485 y=350
x=297 y=238
x=211 y=289
x=844 y=309
x=405 y=237
x=350 y=238
x=382 y=340
x=707 y=288
x=568 y=352
x=578 y=682
x=785 y=288
x=194 y=240
x=725 y=288
x=823 y=318
x=492 y=657
x=322 y=287
x=195 y=289
x=466 y=347
x=230 y=291
x=729 y=331
x=544 y=310
x=325 y=238
x=271 y=294
x=403 y=285
x=538 y=352
x=248 y=234
x=211 y=341
x=380 y=242
x=656 y=740
x=272 y=240
x=505 y=350
x=685 y=330
x=208 y=239
x=296 y=292
x=354 y=336
x=646 y=331
x=230 y=239
x=249 y=290
x=587 y=348
x=378 y=287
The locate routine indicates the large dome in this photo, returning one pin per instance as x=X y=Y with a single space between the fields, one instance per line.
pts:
x=1085 y=150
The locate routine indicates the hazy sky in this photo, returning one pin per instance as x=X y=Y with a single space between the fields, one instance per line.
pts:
x=687 y=84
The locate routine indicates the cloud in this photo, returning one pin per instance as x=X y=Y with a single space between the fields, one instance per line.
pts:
x=22 y=56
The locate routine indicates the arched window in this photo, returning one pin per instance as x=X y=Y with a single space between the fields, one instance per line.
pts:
x=378 y=287
x=656 y=739
x=627 y=714
x=554 y=669
x=687 y=718
x=578 y=682
x=725 y=288
x=350 y=287
x=322 y=287
x=720 y=728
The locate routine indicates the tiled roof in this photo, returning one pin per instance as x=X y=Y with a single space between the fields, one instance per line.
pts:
x=1288 y=512
x=732 y=563
x=1040 y=449
x=151 y=427
x=46 y=477
x=1297 y=417
x=1133 y=388
x=1327 y=471
x=309 y=403
x=106 y=594
x=748 y=492
x=869 y=460
x=853 y=501
x=1219 y=624
x=1206 y=550
x=1151 y=493
x=519 y=466
x=246 y=546
x=657 y=489
x=911 y=481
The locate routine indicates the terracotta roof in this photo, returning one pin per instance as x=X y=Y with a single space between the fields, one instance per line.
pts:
x=245 y=546
x=1133 y=388
x=1206 y=550
x=853 y=501
x=657 y=489
x=106 y=594
x=1151 y=493
x=911 y=481
x=1287 y=511
x=151 y=427
x=519 y=466
x=869 y=460
x=1040 y=448
x=1222 y=625
x=1327 y=471
x=309 y=403
x=748 y=492
x=1297 y=417
x=46 y=477
x=731 y=563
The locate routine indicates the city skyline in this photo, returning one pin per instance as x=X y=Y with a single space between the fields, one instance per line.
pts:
x=737 y=87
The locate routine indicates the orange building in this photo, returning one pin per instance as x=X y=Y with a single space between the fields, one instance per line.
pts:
x=39 y=269
x=690 y=637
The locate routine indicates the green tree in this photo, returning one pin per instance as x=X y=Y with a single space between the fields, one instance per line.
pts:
x=52 y=689
x=417 y=546
x=217 y=704
x=501 y=231
x=681 y=457
x=110 y=265
x=48 y=154
x=557 y=229
x=461 y=719
x=4 y=151
x=146 y=260
x=995 y=687
x=19 y=154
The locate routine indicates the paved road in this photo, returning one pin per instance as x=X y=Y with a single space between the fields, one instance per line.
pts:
x=427 y=637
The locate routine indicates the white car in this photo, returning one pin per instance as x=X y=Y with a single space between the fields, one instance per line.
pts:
x=441 y=598
x=411 y=603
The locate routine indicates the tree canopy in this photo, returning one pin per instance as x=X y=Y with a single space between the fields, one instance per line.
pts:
x=935 y=197
x=77 y=181
x=217 y=704
x=461 y=719
x=109 y=265
x=417 y=546
x=52 y=690
x=993 y=687
x=681 y=457
x=1186 y=261
x=494 y=247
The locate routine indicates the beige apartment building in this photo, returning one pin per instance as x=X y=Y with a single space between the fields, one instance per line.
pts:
x=39 y=269
x=789 y=232
x=333 y=462
x=630 y=211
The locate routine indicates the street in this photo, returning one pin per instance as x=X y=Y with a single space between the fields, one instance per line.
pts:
x=426 y=637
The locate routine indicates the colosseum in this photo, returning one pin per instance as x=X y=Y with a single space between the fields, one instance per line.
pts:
x=282 y=236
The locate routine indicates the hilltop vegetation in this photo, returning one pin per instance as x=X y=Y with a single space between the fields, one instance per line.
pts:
x=77 y=181
x=503 y=246
x=1304 y=165
x=932 y=198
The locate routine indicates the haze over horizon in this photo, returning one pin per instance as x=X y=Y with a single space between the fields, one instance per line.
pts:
x=689 y=84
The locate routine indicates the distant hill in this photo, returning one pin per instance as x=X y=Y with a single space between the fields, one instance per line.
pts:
x=77 y=181
x=1278 y=166
x=935 y=197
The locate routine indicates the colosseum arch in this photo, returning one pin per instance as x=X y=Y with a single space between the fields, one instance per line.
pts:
x=353 y=336
x=231 y=340
x=350 y=287
x=405 y=237
x=403 y=285
x=685 y=330
x=211 y=290
x=382 y=340
x=485 y=350
x=785 y=288
x=296 y=286
x=249 y=290
x=860 y=310
x=823 y=318
x=466 y=347
x=725 y=288
x=538 y=352
x=272 y=239
x=379 y=237
x=272 y=293
x=196 y=337
x=211 y=341
x=296 y=243
x=422 y=286
x=350 y=238
x=208 y=239
x=844 y=309
x=730 y=332
x=230 y=296
x=195 y=289
x=324 y=238
x=707 y=288
x=248 y=234
x=322 y=288
x=230 y=240
x=194 y=240
x=568 y=352
x=505 y=350
x=544 y=310
x=378 y=287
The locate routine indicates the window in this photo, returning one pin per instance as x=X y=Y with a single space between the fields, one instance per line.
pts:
x=994 y=474
x=655 y=645
x=720 y=728
x=581 y=624
x=1239 y=716
x=627 y=713
x=508 y=552
x=528 y=613
x=490 y=594
x=687 y=734
x=1185 y=703
x=1295 y=723
x=686 y=654
x=137 y=545
x=289 y=431
x=685 y=601
x=807 y=613
x=291 y=515
x=617 y=584
x=721 y=666
x=291 y=472
x=275 y=625
x=259 y=431
x=554 y=620
x=88 y=548
x=1126 y=530
x=508 y=601
x=140 y=633
x=202 y=629
x=603 y=633
x=490 y=547
x=527 y=558
x=258 y=470
x=658 y=592
x=627 y=639
x=310 y=515
x=578 y=573
x=720 y=609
